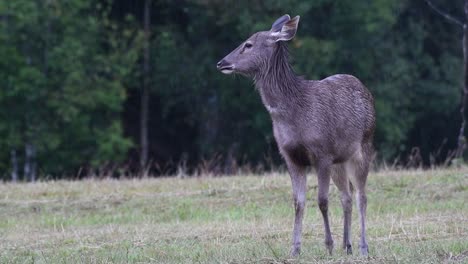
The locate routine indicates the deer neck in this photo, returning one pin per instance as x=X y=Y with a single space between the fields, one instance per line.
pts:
x=277 y=83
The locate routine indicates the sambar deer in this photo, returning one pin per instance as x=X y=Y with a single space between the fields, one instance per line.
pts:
x=326 y=123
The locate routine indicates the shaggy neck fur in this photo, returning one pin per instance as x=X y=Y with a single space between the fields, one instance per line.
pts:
x=276 y=79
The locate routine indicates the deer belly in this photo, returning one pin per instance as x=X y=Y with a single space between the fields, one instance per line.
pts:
x=297 y=154
x=289 y=144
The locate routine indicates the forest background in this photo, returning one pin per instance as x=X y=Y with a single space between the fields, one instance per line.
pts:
x=128 y=86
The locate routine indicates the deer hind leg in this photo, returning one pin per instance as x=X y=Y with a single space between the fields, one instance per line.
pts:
x=299 y=186
x=323 y=174
x=358 y=168
x=340 y=178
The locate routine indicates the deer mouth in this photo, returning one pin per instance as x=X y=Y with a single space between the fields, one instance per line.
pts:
x=227 y=69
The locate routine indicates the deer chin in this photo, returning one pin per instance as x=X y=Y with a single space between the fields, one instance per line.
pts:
x=227 y=71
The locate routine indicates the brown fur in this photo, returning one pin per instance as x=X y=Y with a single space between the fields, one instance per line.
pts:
x=327 y=123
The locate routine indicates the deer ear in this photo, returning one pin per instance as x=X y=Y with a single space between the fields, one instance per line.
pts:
x=276 y=27
x=288 y=29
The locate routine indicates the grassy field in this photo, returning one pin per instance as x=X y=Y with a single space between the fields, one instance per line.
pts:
x=413 y=217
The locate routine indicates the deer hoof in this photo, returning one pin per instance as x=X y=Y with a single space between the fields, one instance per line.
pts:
x=329 y=245
x=364 y=250
x=349 y=250
x=295 y=251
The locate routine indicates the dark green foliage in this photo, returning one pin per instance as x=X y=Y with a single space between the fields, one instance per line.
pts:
x=70 y=76
x=62 y=84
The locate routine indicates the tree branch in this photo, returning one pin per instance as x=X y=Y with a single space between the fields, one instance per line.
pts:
x=444 y=14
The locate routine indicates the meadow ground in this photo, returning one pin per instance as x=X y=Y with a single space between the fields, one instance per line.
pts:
x=413 y=217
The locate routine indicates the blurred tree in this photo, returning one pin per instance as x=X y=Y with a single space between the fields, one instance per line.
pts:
x=75 y=78
x=62 y=92
x=461 y=144
x=145 y=88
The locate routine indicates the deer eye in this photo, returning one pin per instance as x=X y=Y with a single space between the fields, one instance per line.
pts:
x=248 y=45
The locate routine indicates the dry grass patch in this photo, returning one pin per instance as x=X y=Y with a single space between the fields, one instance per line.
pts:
x=413 y=217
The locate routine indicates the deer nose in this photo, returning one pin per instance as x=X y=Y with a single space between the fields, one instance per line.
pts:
x=221 y=64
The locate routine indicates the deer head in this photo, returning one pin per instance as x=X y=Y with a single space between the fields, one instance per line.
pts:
x=254 y=53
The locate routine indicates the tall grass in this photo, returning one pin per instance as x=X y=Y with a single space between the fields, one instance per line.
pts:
x=413 y=217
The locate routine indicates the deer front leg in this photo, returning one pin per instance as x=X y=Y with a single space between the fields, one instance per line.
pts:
x=299 y=187
x=323 y=171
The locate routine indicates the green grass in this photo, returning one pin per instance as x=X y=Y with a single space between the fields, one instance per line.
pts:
x=413 y=217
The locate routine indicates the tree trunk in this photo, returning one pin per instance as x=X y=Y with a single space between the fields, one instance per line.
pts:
x=145 y=90
x=14 y=166
x=30 y=162
x=461 y=146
